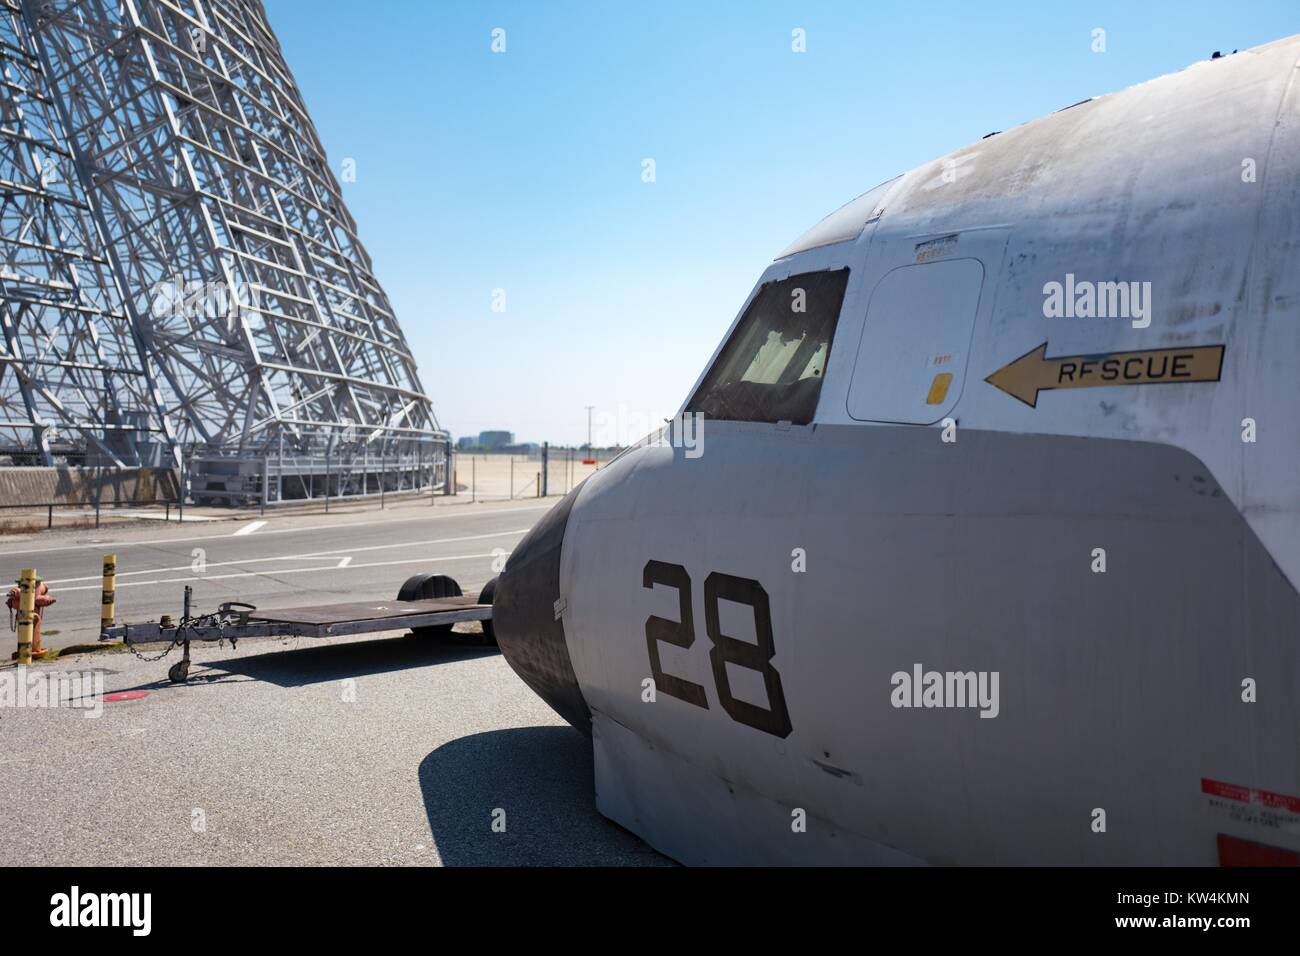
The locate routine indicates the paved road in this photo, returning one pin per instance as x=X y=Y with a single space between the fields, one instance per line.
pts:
x=342 y=751
x=384 y=749
x=277 y=562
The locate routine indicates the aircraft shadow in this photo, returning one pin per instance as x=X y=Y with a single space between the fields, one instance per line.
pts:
x=542 y=778
x=310 y=663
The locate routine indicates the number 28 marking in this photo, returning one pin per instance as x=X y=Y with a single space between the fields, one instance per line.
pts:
x=775 y=719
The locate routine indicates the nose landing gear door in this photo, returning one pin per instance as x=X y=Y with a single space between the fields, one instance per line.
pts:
x=921 y=316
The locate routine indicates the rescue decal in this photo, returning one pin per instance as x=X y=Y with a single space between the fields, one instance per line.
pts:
x=1034 y=372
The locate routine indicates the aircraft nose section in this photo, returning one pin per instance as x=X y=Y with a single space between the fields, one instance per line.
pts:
x=528 y=630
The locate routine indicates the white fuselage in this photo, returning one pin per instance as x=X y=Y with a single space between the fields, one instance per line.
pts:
x=1023 y=589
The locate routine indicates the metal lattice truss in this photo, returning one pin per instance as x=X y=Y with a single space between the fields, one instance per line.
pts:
x=192 y=274
x=71 y=373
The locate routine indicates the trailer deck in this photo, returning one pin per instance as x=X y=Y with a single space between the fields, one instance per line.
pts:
x=325 y=620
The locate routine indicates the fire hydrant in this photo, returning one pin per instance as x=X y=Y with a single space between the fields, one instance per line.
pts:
x=43 y=600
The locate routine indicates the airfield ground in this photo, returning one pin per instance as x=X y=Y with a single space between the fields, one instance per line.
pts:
x=363 y=750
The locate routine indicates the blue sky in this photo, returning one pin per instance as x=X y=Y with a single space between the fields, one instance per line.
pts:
x=522 y=171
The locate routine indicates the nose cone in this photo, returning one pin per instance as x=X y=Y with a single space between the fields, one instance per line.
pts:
x=528 y=631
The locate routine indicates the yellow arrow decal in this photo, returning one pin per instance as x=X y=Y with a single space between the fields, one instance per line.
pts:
x=1034 y=372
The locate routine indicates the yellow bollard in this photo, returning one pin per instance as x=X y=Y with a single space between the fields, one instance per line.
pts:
x=26 y=614
x=108 y=607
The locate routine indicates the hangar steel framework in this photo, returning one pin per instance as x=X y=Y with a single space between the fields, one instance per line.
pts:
x=181 y=279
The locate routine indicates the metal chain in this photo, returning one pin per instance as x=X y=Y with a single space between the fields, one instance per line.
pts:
x=149 y=660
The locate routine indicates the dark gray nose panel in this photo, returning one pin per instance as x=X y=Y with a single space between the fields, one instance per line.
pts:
x=523 y=613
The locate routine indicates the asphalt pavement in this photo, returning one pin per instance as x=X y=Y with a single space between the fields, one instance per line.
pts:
x=275 y=562
x=374 y=749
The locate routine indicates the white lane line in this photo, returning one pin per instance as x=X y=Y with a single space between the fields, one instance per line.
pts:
x=249 y=528
x=98 y=545
x=121 y=513
x=196 y=578
x=301 y=556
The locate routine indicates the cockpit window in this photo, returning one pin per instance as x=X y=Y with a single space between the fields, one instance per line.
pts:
x=771 y=368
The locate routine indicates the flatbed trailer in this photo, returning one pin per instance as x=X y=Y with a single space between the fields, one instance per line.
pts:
x=235 y=620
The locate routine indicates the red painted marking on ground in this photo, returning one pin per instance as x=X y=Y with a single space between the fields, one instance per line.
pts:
x=126 y=695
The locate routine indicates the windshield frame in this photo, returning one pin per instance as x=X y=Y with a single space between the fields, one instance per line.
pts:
x=822 y=293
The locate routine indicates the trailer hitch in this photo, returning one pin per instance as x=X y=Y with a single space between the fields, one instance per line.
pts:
x=232 y=613
x=235 y=612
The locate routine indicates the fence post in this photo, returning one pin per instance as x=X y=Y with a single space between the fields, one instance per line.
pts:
x=383 y=475
x=26 y=613
x=544 y=484
x=49 y=518
x=108 y=596
x=512 y=477
x=266 y=481
x=473 y=479
x=327 y=479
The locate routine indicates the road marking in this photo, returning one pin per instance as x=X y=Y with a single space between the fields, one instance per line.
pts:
x=197 y=578
x=120 y=513
x=345 y=561
x=98 y=545
x=1034 y=372
x=249 y=528
x=301 y=556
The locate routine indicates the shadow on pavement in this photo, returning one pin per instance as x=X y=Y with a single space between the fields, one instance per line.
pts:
x=311 y=663
x=542 y=777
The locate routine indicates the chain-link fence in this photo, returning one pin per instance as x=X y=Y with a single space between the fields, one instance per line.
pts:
x=543 y=472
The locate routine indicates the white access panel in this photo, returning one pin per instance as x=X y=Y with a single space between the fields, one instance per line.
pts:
x=915 y=343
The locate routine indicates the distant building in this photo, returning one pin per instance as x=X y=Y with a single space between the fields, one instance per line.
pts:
x=495 y=440
x=466 y=442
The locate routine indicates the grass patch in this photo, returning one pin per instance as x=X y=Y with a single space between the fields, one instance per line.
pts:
x=56 y=653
